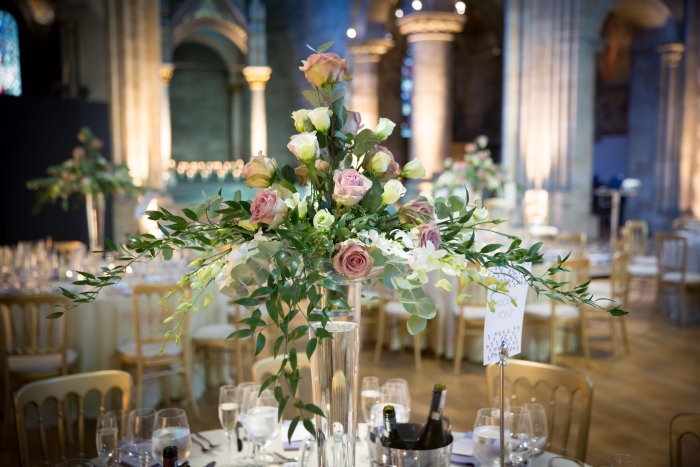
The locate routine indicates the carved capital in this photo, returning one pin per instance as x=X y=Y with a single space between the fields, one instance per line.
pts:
x=431 y=26
x=257 y=76
x=166 y=73
x=671 y=54
x=370 y=50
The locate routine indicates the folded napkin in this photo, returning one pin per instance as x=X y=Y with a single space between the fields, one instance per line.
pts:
x=299 y=435
x=463 y=451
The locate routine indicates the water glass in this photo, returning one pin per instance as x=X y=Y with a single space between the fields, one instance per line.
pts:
x=538 y=415
x=521 y=433
x=107 y=438
x=262 y=423
x=228 y=412
x=115 y=419
x=487 y=437
x=390 y=394
x=403 y=384
x=622 y=460
x=564 y=462
x=369 y=394
x=139 y=431
x=171 y=429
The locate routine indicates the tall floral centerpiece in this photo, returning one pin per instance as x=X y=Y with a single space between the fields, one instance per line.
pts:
x=89 y=175
x=477 y=171
x=308 y=238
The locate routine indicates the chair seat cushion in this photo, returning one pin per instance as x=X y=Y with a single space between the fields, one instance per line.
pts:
x=150 y=350
x=690 y=277
x=396 y=309
x=643 y=270
x=214 y=332
x=646 y=260
x=39 y=363
x=544 y=310
x=472 y=312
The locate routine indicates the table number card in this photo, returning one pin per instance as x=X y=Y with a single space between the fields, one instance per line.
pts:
x=505 y=323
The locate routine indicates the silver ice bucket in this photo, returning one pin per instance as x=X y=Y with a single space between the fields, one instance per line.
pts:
x=387 y=457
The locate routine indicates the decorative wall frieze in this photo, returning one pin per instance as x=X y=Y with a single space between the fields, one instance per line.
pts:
x=431 y=26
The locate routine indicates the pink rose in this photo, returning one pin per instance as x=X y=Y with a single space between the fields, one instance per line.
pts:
x=97 y=143
x=392 y=168
x=353 y=261
x=78 y=152
x=259 y=171
x=460 y=165
x=481 y=154
x=470 y=148
x=429 y=232
x=322 y=169
x=267 y=207
x=415 y=212
x=325 y=68
x=350 y=187
x=353 y=123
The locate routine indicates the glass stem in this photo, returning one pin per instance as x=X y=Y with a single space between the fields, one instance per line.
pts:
x=229 y=447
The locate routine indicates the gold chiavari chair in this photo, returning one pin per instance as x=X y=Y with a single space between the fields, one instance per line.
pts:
x=671 y=255
x=59 y=390
x=472 y=313
x=683 y=223
x=682 y=425
x=556 y=314
x=266 y=367
x=616 y=289
x=642 y=267
x=391 y=307
x=149 y=332
x=33 y=347
x=576 y=242
x=566 y=395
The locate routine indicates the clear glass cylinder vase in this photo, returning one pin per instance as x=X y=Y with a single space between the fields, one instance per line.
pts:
x=334 y=373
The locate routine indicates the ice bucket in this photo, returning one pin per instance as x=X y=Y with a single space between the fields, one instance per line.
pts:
x=381 y=456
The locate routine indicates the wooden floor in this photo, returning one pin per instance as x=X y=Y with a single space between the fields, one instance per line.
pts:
x=634 y=399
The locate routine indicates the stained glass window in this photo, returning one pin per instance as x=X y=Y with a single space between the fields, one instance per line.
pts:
x=10 y=78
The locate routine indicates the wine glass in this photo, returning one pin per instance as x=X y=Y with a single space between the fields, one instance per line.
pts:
x=262 y=423
x=564 y=462
x=487 y=437
x=369 y=394
x=390 y=394
x=116 y=419
x=171 y=429
x=403 y=384
x=138 y=434
x=496 y=404
x=622 y=460
x=521 y=432
x=241 y=391
x=228 y=412
x=107 y=439
x=539 y=427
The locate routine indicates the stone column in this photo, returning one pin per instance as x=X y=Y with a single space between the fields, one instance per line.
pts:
x=166 y=141
x=669 y=124
x=257 y=77
x=430 y=35
x=236 y=96
x=365 y=83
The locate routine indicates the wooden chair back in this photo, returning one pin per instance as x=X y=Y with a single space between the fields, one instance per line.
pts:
x=269 y=366
x=566 y=395
x=575 y=241
x=150 y=310
x=620 y=278
x=578 y=271
x=671 y=253
x=681 y=425
x=637 y=237
x=25 y=329
x=59 y=389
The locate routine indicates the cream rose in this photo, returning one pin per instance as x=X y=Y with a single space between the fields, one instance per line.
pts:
x=353 y=260
x=299 y=116
x=380 y=161
x=304 y=146
x=414 y=169
x=259 y=172
x=321 y=118
x=384 y=128
x=350 y=187
x=393 y=191
x=323 y=220
x=325 y=68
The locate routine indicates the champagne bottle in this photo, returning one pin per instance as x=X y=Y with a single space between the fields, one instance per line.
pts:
x=432 y=435
x=170 y=456
x=390 y=435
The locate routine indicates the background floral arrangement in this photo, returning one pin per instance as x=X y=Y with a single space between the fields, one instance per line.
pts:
x=477 y=170
x=87 y=172
x=311 y=229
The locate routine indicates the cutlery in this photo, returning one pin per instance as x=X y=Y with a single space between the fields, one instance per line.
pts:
x=211 y=464
x=211 y=445
x=199 y=443
x=284 y=458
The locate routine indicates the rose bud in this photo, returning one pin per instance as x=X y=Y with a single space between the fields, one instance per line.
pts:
x=380 y=161
x=299 y=116
x=304 y=146
x=259 y=172
x=325 y=68
x=384 y=128
x=353 y=123
x=321 y=118
x=393 y=191
x=414 y=169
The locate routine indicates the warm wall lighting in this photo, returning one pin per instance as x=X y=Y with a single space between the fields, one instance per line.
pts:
x=461 y=7
x=399 y=13
x=417 y=5
x=351 y=33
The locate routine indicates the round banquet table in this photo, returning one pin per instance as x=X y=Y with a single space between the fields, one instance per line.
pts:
x=220 y=454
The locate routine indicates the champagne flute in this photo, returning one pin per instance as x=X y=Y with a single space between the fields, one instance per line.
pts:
x=262 y=423
x=369 y=394
x=171 y=429
x=487 y=438
x=622 y=460
x=564 y=462
x=228 y=413
x=106 y=438
x=539 y=427
x=139 y=433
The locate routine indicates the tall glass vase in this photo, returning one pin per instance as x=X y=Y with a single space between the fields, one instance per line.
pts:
x=334 y=373
x=95 y=212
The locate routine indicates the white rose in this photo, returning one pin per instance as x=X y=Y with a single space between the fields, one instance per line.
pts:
x=299 y=116
x=304 y=146
x=413 y=169
x=480 y=215
x=380 y=162
x=297 y=202
x=323 y=220
x=321 y=118
x=393 y=190
x=482 y=141
x=384 y=128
